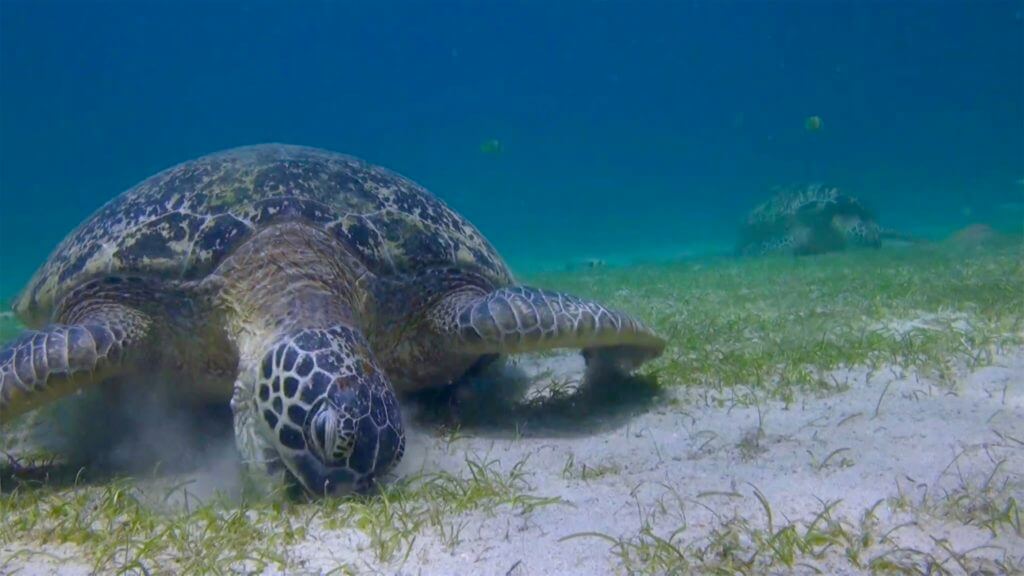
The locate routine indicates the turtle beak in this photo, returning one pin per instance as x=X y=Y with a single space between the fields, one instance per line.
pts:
x=321 y=480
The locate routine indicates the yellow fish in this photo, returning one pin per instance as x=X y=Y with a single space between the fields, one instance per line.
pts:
x=813 y=123
x=492 y=146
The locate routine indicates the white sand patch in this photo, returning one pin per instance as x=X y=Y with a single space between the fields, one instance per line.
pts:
x=950 y=320
x=52 y=559
x=691 y=464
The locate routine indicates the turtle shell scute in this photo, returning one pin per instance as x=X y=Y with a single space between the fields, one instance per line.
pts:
x=183 y=221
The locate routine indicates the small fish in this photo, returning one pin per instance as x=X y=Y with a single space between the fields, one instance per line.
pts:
x=813 y=123
x=492 y=146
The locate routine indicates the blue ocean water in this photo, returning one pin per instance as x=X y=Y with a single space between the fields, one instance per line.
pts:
x=562 y=129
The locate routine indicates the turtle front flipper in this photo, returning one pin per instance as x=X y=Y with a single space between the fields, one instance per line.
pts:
x=522 y=319
x=41 y=366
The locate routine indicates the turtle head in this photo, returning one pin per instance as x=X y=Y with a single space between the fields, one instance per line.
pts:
x=329 y=411
x=857 y=230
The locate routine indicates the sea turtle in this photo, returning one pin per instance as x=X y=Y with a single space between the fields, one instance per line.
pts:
x=304 y=286
x=811 y=220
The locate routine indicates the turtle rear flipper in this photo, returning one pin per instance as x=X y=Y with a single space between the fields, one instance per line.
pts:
x=523 y=319
x=41 y=366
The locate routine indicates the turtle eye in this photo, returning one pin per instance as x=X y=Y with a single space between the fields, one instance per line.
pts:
x=320 y=428
x=330 y=433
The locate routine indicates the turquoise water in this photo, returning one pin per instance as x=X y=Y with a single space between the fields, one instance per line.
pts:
x=619 y=131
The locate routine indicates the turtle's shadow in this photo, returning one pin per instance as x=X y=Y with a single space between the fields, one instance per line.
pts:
x=101 y=438
x=532 y=400
x=95 y=439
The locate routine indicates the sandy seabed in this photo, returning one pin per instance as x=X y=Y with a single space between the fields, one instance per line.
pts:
x=691 y=462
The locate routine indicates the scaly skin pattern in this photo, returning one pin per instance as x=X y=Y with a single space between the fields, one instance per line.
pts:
x=521 y=319
x=97 y=326
x=181 y=223
x=304 y=285
x=310 y=397
x=360 y=434
x=38 y=360
x=476 y=319
x=787 y=202
x=810 y=220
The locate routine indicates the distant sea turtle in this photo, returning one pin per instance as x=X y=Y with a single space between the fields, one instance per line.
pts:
x=302 y=285
x=812 y=220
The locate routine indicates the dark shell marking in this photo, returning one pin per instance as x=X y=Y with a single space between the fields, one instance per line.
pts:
x=813 y=199
x=183 y=221
x=808 y=220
